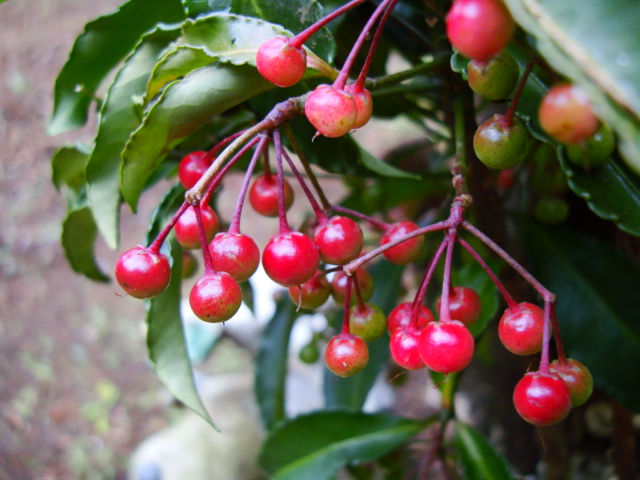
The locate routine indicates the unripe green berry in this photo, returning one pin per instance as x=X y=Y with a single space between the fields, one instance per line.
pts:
x=500 y=145
x=594 y=151
x=552 y=210
x=494 y=79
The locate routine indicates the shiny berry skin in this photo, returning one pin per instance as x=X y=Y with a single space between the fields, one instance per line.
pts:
x=290 y=258
x=186 y=229
x=331 y=111
x=520 y=329
x=565 y=114
x=594 y=151
x=339 y=287
x=192 y=167
x=339 y=240
x=400 y=317
x=236 y=254
x=280 y=63
x=364 y=104
x=143 y=273
x=464 y=305
x=576 y=376
x=215 y=297
x=479 y=29
x=493 y=79
x=367 y=321
x=499 y=144
x=263 y=195
x=404 y=348
x=189 y=264
x=407 y=251
x=542 y=399
x=346 y=355
x=312 y=293
x=446 y=347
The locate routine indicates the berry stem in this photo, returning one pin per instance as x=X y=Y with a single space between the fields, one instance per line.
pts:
x=424 y=283
x=234 y=227
x=358 y=292
x=450 y=238
x=546 y=334
x=384 y=226
x=511 y=111
x=211 y=154
x=282 y=211
x=164 y=233
x=556 y=333
x=395 y=78
x=266 y=166
x=347 y=307
x=459 y=167
x=322 y=218
x=206 y=254
x=511 y=303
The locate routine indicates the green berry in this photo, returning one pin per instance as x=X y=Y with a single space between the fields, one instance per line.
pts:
x=547 y=178
x=594 y=151
x=552 y=210
x=500 y=145
x=494 y=79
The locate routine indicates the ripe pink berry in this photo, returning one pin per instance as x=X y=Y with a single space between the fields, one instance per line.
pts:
x=281 y=63
x=404 y=347
x=186 y=228
x=143 y=273
x=339 y=287
x=263 y=195
x=346 y=355
x=565 y=113
x=290 y=258
x=339 y=239
x=192 y=167
x=312 y=293
x=367 y=321
x=331 y=111
x=464 y=305
x=542 y=399
x=400 y=317
x=215 y=297
x=479 y=29
x=577 y=377
x=446 y=347
x=236 y=254
x=364 y=104
x=407 y=251
x=520 y=329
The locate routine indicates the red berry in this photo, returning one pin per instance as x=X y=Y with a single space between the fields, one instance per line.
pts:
x=400 y=317
x=192 y=167
x=346 y=355
x=186 y=228
x=446 y=347
x=479 y=29
x=311 y=294
x=577 y=377
x=263 y=195
x=520 y=329
x=542 y=399
x=407 y=251
x=367 y=321
x=143 y=273
x=339 y=239
x=331 y=111
x=464 y=305
x=290 y=258
x=215 y=297
x=565 y=113
x=280 y=63
x=339 y=287
x=404 y=347
x=364 y=104
x=236 y=254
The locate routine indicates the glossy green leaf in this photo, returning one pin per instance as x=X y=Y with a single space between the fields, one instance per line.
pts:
x=103 y=44
x=294 y=15
x=599 y=55
x=118 y=118
x=68 y=165
x=381 y=168
x=78 y=238
x=351 y=392
x=316 y=446
x=182 y=108
x=478 y=459
x=598 y=302
x=611 y=191
x=271 y=364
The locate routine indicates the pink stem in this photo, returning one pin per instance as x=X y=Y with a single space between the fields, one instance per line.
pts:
x=347 y=307
x=424 y=284
x=511 y=111
x=282 y=211
x=322 y=218
x=546 y=334
x=384 y=226
x=358 y=291
x=206 y=254
x=556 y=333
x=164 y=233
x=445 y=315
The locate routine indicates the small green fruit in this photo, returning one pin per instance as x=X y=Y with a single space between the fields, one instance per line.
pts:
x=500 y=145
x=494 y=79
x=594 y=151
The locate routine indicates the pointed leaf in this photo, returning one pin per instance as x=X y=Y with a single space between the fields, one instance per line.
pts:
x=316 y=446
x=68 y=165
x=104 y=42
x=78 y=238
x=478 y=458
x=381 y=168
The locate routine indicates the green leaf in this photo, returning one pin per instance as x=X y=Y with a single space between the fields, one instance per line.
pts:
x=294 y=15
x=271 y=363
x=78 y=238
x=351 y=392
x=118 y=118
x=67 y=166
x=316 y=446
x=166 y=341
x=597 y=304
x=183 y=107
x=104 y=42
x=611 y=191
x=598 y=55
x=478 y=458
x=381 y=168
